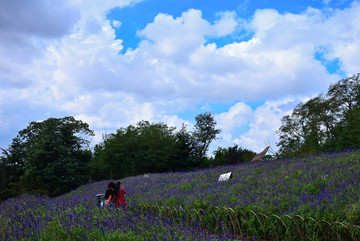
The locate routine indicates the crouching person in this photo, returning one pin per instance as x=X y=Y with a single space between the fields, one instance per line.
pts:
x=110 y=195
x=120 y=196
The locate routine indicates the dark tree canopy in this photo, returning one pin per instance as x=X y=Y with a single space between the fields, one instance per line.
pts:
x=147 y=147
x=232 y=155
x=51 y=156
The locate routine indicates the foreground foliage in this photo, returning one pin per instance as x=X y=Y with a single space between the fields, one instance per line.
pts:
x=280 y=199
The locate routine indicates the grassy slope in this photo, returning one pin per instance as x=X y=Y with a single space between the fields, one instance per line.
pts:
x=323 y=187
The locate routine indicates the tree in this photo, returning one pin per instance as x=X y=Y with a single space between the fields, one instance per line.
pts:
x=232 y=155
x=348 y=131
x=53 y=154
x=346 y=93
x=290 y=136
x=205 y=132
x=146 y=147
x=324 y=123
x=308 y=129
x=187 y=154
x=12 y=165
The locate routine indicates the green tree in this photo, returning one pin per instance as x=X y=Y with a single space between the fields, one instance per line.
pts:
x=205 y=132
x=346 y=93
x=309 y=129
x=12 y=165
x=348 y=131
x=290 y=136
x=147 y=147
x=324 y=123
x=53 y=154
x=232 y=155
x=318 y=118
x=187 y=155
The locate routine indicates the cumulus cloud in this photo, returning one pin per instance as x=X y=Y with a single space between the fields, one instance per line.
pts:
x=173 y=38
x=64 y=57
x=25 y=29
x=264 y=124
x=225 y=25
x=260 y=124
x=344 y=29
x=47 y=18
x=237 y=116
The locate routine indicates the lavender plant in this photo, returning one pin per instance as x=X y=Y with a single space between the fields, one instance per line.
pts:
x=196 y=206
x=321 y=186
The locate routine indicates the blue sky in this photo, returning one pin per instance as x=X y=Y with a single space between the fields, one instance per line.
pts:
x=112 y=63
x=136 y=17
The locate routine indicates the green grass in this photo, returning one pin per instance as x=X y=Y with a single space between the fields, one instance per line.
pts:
x=318 y=195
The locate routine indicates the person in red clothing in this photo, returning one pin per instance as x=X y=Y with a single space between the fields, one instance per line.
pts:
x=120 y=196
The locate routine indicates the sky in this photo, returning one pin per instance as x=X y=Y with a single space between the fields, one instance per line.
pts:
x=113 y=63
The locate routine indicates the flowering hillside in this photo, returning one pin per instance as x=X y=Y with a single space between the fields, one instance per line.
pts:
x=324 y=187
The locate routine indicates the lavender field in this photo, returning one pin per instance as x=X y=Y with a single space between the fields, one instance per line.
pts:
x=312 y=198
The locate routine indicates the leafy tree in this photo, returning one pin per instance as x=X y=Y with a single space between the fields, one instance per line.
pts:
x=349 y=130
x=309 y=129
x=52 y=154
x=346 y=93
x=147 y=147
x=205 y=132
x=12 y=165
x=318 y=118
x=291 y=135
x=324 y=123
x=232 y=155
x=186 y=150
x=3 y=181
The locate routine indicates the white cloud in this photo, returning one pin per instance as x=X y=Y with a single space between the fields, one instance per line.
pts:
x=116 y=23
x=175 y=121
x=48 y=19
x=225 y=25
x=70 y=62
x=344 y=34
x=25 y=30
x=261 y=124
x=264 y=124
x=264 y=20
x=173 y=38
x=237 y=116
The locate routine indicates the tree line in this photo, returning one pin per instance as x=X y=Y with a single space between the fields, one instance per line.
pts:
x=327 y=122
x=52 y=157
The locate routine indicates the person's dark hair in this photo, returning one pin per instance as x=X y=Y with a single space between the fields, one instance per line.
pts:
x=109 y=191
x=117 y=188
x=111 y=184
